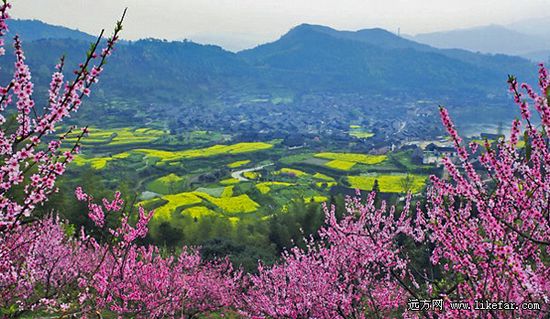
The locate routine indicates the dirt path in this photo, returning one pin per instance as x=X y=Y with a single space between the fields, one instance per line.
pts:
x=239 y=174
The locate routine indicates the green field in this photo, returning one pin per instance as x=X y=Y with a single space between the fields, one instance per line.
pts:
x=166 y=184
x=359 y=132
x=187 y=179
x=229 y=181
x=323 y=177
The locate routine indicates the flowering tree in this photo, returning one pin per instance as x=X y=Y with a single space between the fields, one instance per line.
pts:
x=356 y=271
x=486 y=232
x=38 y=262
x=491 y=230
x=140 y=282
x=44 y=266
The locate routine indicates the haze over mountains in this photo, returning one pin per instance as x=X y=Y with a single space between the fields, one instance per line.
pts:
x=31 y=30
x=529 y=39
x=308 y=57
x=308 y=71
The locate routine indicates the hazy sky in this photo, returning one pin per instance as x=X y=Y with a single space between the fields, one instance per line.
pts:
x=236 y=24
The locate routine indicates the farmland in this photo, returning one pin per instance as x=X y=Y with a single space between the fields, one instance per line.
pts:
x=216 y=150
x=238 y=164
x=120 y=136
x=353 y=158
x=190 y=180
x=181 y=181
x=398 y=183
x=359 y=132
x=166 y=184
x=340 y=165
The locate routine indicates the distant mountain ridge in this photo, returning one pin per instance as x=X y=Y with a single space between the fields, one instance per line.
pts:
x=30 y=30
x=490 y=39
x=309 y=59
x=376 y=57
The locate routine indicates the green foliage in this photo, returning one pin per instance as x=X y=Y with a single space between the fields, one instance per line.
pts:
x=168 y=184
x=300 y=220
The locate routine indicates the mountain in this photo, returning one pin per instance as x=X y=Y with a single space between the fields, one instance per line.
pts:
x=538 y=56
x=150 y=70
x=157 y=79
x=376 y=60
x=31 y=30
x=533 y=26
x=486 y=39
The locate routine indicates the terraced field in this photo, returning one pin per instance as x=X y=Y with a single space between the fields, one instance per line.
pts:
x=353 y=157
x=323 y=177
x=292 y=172
x=340 y=165
x=97 y=162
x=216 y=190
x=173 y=203
x=238 y=164
x=232 y=205
x=251 y=175
x=120 y=137
x=194 y=182
x=166 y=205
x=398 y=183
x=229 y=181
x=163 y=158
x=316 y=199
x=198 y=212
x=216 y=150
x=359 y=132
x=265 y=187
x=166 y=184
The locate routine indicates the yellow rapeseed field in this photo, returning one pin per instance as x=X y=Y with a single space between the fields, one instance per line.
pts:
x=238 y=164
x=166 y=184
x=174 y=202
x=354 y=157
x=291 y=171
x=198 y=212
x=265 y=187
x=97 y=162
x=316 y=199
x=119 y=136
x=227 y=192
x=251 y=175
x=340 y=165
x=167 y=156
x=232 y=205
x=389 y=183
x=323 y=177
x=327 y=184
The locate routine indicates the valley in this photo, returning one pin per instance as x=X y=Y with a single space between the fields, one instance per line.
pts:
x=238 y=152
x=207 y=186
